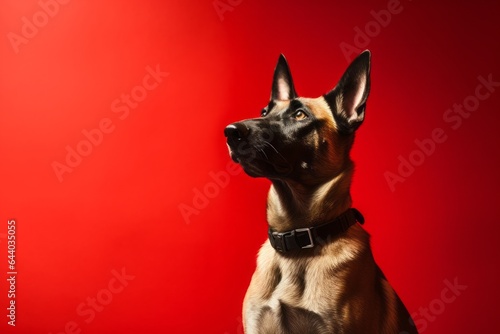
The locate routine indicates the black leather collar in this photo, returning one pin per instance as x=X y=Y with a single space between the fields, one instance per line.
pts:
x=309 y=237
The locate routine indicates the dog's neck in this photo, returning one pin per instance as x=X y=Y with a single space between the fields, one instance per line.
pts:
x=291 y=205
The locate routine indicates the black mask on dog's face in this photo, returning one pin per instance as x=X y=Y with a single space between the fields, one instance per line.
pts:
x=295 y=136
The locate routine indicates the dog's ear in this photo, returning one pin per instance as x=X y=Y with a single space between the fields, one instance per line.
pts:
x=283 y=88
x=348 y=99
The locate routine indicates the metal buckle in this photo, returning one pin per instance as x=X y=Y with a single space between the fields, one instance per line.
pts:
x=311 y=241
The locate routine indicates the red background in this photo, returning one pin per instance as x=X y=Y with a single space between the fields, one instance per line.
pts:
x=119 y=208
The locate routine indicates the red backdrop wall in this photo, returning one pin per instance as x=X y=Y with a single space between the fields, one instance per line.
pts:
x=111 y=119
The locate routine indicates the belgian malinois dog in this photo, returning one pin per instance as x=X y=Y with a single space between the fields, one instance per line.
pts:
x=316 y=272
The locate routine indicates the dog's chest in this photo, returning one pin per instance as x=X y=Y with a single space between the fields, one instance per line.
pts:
x=284 y=297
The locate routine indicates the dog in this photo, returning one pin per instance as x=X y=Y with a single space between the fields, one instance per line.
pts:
x=316 y=272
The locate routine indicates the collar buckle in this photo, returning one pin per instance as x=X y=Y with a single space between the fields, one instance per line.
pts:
x=309 y=234
x=294 y=239
x=304 y=238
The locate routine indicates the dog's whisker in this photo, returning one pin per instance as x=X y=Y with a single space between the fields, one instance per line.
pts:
x=264 y=153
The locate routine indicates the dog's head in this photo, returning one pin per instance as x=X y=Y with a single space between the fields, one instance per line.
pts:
x=306 y=140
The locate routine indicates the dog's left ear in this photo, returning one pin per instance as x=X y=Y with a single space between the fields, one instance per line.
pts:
x=348 y=99
x=283 y=88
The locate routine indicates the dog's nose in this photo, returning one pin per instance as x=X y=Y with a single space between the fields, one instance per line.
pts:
x=236 y=131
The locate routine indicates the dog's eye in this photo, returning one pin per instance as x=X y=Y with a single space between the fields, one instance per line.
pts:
x=299 y=115
x=264 y=113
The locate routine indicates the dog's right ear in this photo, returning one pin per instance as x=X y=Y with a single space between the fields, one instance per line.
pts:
x=283 y=88
x=348 y=99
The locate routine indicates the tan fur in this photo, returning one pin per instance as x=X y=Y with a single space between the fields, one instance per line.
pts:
x=302 y=145
x=333 y=288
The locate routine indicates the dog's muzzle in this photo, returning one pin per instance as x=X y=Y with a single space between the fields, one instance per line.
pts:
x=250 y=144
x=235 y=133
